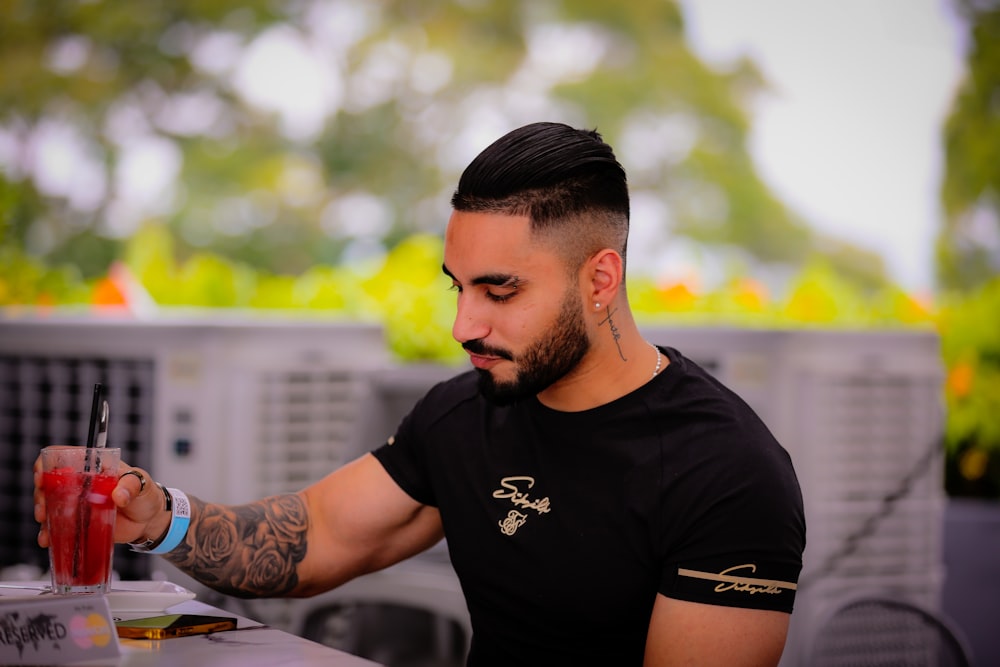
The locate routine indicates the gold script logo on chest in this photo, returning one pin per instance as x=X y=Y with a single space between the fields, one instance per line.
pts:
x=516 y=490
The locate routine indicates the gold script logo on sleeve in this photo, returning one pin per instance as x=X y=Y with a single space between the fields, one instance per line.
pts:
x=736 y=579
x=515 y=489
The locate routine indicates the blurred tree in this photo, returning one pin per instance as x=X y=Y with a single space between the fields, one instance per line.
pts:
x=80 y=82
x=968 y=248
x=968 y=254
x=286 y=135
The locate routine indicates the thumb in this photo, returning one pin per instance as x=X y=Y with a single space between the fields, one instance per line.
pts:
x=136 y=494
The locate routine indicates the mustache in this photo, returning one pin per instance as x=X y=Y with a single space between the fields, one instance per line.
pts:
x=477 y=346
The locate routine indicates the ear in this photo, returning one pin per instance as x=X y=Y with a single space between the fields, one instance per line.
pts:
x=604 y=277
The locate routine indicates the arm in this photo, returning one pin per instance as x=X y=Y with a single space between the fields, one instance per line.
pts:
x=353 y=521
x=356 y=520
x=691 y=633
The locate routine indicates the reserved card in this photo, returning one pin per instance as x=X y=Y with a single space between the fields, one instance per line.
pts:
x=56 y=630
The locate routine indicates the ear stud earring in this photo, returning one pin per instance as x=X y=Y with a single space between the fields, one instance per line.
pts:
x=597 y=305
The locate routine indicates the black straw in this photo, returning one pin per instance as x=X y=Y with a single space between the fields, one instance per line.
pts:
x=95 y=407
x=83 y=518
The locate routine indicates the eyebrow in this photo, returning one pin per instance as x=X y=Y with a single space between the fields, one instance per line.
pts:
x=497 y=279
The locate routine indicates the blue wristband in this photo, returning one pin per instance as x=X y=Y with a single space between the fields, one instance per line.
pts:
x=180 y=520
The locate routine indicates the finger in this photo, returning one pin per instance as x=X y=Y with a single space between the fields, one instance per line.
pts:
x=38 y=496
x=43 y=533
x=37 y=479
x=132 y=483
x=43 y=537
x=124 y=491
x=138 y=499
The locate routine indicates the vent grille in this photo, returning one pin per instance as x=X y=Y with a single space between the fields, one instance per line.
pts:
x=46 y=401
x=873 y=481
x=862 y=539
x=306 y=424
x=869 y=433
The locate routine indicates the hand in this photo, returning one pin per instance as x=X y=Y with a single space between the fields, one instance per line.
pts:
x=141 y=506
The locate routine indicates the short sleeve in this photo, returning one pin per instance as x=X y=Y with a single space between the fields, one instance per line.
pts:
x=404 y=457
x=741 y=538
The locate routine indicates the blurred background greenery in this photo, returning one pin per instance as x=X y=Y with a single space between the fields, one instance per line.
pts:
x=319 y=186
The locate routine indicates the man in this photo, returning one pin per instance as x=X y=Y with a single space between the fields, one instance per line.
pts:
x=606 y=502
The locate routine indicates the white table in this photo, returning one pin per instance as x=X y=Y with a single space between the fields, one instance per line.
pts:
x=251 y=644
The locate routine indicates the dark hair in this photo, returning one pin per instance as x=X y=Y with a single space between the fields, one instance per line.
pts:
x=566 y=181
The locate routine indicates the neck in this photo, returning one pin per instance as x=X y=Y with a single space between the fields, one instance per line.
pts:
x=619 y=362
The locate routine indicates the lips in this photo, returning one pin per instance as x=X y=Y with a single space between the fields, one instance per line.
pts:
x=483 y=356
x=482 y=361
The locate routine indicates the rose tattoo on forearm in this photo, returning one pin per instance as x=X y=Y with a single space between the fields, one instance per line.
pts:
x=249 y=550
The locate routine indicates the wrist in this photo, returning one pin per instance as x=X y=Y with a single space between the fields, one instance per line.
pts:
x=170 y=526
x=157 y=527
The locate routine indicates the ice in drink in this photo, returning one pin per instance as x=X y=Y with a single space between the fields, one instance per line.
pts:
x=80 y=518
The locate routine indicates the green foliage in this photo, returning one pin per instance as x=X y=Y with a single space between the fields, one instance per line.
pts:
x=128 y=43
x=817 y=296
x=970 y=335
x=407 y=292
x=332 y=289
x=25 y=280
x=414 y=303
x=211 y=281
x=968 y=248
x=821 y=296
x=970 y=325
x=968 y=260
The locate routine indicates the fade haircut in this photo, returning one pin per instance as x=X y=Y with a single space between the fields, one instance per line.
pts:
x=566 y=181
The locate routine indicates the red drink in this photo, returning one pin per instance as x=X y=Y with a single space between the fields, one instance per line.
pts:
x=80 y=518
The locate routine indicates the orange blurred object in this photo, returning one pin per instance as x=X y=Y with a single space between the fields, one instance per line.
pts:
x=960 y=378
x=119 y=290
x=107 y=293
x=751 y=294
x=678 y=296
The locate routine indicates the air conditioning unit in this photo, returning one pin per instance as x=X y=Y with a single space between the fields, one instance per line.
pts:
x=230 y=410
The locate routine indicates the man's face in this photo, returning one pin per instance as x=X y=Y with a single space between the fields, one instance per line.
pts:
x=519 y=315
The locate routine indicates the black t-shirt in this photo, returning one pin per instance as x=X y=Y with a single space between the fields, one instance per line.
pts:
x=563 y=526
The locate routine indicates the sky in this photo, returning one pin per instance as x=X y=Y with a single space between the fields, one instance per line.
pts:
x=849 y=133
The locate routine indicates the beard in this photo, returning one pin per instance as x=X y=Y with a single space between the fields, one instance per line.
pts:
x=544 y=362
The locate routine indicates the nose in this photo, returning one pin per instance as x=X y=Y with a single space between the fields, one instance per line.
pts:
x=469 y=323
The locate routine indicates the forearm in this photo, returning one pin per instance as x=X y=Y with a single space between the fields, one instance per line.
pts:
x=251 y=550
